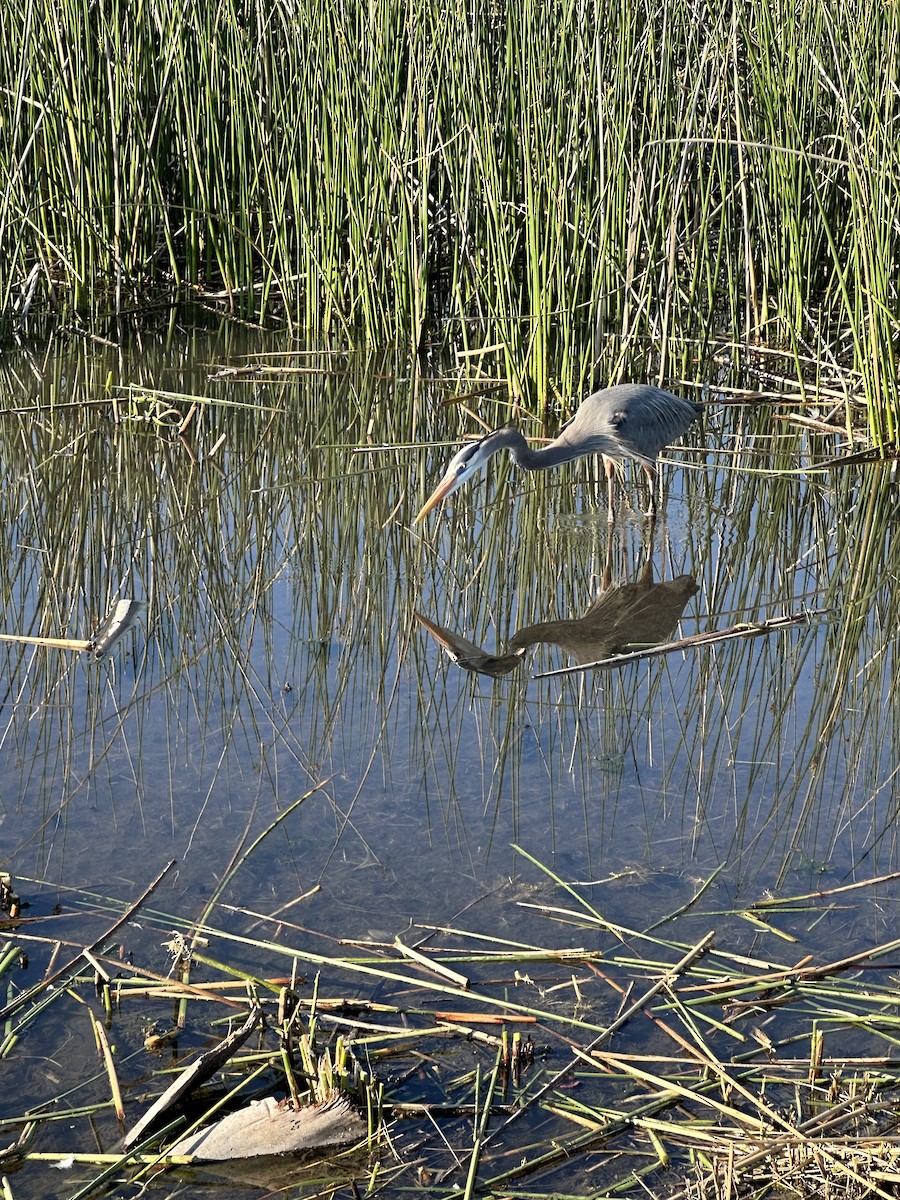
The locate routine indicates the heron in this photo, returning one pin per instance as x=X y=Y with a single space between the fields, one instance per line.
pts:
x=629 y=420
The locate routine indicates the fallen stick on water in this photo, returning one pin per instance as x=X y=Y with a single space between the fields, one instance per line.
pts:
x=117 y=622
x=198 y=1072
x=56 y=643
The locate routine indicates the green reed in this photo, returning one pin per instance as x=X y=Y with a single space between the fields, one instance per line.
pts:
x=536 y=177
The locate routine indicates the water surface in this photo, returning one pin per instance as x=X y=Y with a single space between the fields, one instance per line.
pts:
x=280 y=663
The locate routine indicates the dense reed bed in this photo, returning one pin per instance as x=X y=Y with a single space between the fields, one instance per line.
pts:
x=528 y=177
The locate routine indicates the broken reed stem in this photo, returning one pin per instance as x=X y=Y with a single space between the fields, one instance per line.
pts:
x=115 y=1160
x=481 y=1129
x=801 y=972
x=53 y=642
x=683 y=908
x=109 y=1064
x=439 y=969
x=242 y=851
x=781 y=901
x=695 y=952
x=811 y=1133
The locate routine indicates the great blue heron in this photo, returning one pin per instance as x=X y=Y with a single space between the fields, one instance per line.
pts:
x=628 y=421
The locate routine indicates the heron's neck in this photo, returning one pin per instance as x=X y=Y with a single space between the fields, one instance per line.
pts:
x=532 y=460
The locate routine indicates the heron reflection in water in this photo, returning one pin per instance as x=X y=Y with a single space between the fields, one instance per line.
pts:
x=624 y=617
x=628 y=421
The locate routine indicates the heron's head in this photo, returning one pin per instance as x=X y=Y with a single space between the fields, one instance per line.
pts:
x=464 y=465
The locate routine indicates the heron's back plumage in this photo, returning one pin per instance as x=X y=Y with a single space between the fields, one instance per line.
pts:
x=630 y=420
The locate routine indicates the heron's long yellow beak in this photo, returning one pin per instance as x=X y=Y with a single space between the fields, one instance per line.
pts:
x=443 y=489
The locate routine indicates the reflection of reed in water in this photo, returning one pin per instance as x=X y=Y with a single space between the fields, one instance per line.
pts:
x=627 y=616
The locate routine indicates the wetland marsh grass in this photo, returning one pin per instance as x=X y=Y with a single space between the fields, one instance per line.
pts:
x=526 y=177
x=282 y=578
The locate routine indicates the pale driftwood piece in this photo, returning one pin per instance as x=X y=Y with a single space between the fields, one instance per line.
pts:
x=431 y=964
x=198 y=1072
x=266 y=1127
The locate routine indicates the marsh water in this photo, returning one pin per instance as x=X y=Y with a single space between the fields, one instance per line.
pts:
x=282 y=722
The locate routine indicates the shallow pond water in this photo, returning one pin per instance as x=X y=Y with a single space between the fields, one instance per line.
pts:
x=282 y=723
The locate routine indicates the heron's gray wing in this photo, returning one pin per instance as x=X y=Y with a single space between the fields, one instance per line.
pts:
x=651 y=421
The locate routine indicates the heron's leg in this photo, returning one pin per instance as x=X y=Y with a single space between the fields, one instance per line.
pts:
x=650 y=472
x=610 y=467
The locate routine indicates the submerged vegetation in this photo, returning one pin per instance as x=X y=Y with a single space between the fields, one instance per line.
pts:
x=265 y=518
x=527 y=177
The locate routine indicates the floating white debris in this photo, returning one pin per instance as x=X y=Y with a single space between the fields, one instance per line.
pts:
x=118 y=622
x=268 y=1127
